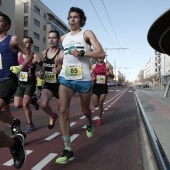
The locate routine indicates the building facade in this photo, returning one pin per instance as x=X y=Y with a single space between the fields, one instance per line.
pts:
x=34 y=19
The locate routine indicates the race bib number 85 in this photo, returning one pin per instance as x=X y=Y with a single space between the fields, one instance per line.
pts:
x=73 y=72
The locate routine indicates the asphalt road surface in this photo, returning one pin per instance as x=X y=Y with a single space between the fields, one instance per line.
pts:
x=115 y=145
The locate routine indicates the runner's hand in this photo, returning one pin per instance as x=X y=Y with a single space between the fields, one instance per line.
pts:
x=16 y=69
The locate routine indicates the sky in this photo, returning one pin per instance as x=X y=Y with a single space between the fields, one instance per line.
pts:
x=121 y=26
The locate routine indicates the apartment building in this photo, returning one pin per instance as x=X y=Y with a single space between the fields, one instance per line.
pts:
x=34 y=19
x=4 y=8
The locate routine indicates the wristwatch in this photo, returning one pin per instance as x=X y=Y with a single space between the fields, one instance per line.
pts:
x=82 y=52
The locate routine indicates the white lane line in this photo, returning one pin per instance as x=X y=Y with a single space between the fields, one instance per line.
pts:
x=74 y=137
x=96 y=108
x=106 y=109
x=52 y=136
x=73 y=123
x=82 y=117
x=130 y=91
x=44 y=162
x=11 y=162
x=95 y=118
x=84 y=127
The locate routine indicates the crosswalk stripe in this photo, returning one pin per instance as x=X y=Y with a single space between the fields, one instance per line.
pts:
x=44 y=162
x=74 y=137
x=52 y=136
x=11 y=162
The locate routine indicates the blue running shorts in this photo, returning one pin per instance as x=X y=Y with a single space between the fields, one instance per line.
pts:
x=76 y=86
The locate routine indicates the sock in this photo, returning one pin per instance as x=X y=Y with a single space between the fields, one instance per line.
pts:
x=67 y=143
x=53 y=116
x=89 y=122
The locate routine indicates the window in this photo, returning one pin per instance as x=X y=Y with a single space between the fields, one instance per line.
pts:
x=25 y=33
x=37 y=23
x=36 y=9
x=36 y=49
x=26 y=7
x=26 y=21
x=44 y=40
x=0 y=2
x=44 y=28
x=36 y=36
x=44 y=16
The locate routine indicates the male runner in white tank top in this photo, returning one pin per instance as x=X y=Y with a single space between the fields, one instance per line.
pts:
x=75 y=75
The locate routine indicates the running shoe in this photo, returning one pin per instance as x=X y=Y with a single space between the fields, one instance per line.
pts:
x=90 y=130
x=52 y=121
x=98 y=123
x=15 y=128
x=65 y=157
x=18 y=153
x=30 y=128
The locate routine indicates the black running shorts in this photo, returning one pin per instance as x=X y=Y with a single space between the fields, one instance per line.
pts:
x=99 y=89
x=53 y=87
x=8 y=88
x=26 y=88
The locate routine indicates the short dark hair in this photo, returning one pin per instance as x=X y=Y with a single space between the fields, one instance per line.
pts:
x=31 y=40
x=55 y=31
x=6 y=19
x=81 y=13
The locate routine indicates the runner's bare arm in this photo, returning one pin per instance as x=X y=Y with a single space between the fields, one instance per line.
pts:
x=91 y=39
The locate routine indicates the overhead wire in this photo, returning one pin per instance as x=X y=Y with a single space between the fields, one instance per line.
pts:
x=111 y=24
x=101 y=22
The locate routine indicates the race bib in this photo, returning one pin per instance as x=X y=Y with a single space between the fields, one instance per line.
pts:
x=73 y=72
x=23 y=76
x=100 y=79
x=1 y=63
x=50 y=77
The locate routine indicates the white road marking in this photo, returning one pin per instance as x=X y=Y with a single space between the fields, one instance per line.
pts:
x=95 y=118
x=52 y=136
x=82 y=117
x=73 y=123
x=74 y=137
x=44 y=162
x=84 y=127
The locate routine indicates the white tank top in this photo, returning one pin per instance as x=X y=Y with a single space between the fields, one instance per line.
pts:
x=82 y=64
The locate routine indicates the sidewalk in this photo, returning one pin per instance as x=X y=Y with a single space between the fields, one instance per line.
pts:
x=157 y=110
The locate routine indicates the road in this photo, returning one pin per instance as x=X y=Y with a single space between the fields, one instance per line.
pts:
x=115 y=145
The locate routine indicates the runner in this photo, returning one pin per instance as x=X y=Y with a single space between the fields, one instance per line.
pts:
x=9 y=47
x=51 y=71
x=27 y=84
x=101 y=71
x=75 y=75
